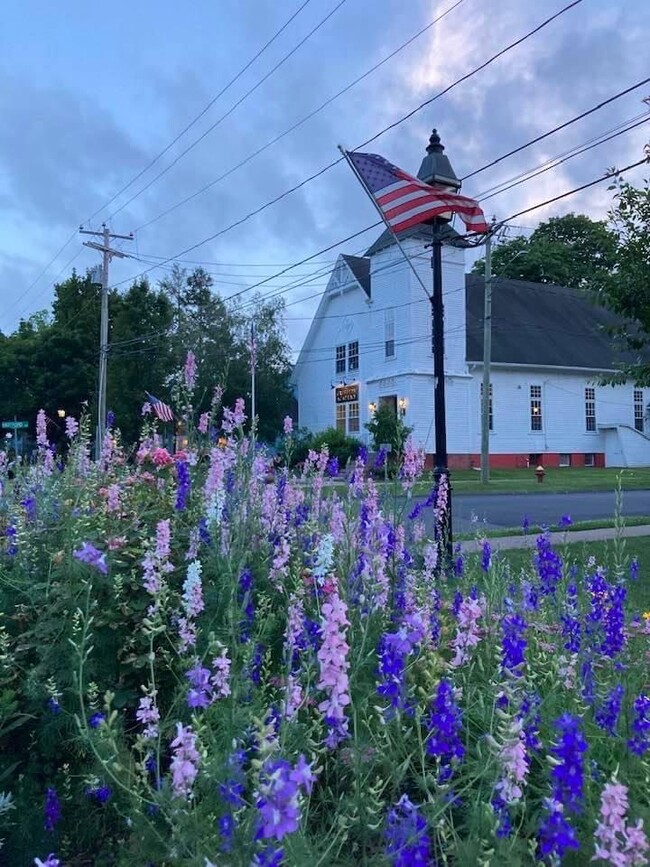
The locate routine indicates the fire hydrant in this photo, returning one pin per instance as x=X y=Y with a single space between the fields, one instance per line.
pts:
x=540 y=472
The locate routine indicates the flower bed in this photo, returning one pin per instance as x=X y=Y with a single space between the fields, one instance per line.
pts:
x=201 y=666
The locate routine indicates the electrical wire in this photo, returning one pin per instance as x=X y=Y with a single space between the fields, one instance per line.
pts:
x=298 y=123
x=203 y=111
x=396 y=123
x=233 y=108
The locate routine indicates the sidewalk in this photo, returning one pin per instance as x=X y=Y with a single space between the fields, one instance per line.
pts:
x=499 y=543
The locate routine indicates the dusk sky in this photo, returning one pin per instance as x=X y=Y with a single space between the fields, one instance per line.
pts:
x=90 y=94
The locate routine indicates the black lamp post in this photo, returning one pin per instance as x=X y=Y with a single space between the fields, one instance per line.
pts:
x=437 y=171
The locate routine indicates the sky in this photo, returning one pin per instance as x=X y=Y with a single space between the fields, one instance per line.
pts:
x=92 y=96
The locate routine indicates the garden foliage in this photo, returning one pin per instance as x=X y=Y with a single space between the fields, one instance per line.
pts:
x=203 y=666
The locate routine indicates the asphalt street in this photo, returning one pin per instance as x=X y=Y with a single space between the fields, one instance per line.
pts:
x=495 y=511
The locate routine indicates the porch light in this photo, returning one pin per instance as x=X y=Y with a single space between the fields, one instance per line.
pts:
x=402 y=406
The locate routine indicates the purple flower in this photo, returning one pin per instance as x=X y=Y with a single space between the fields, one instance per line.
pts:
x=549 y=565
x=92 y=556
x=486 y=556
x=380 y=460
x=525 y=524
x=556 y=835
x=53 y=705
x=227 y=827
x=571 y=626
x=96 y=720
x=50 y=861
x=247 y=603
x=277 y=800
x=51 y=809
x=634 y=568
x=514 y=644
x=101 y=794
x=639 y=743
x=232 y=790
x=407 y=841
x=332 y=468
x=565 y=521
x=110 y=418
x=458 y=561
x=200 y=695
x=269 y=857
x=607 y=715
x=184 y=485
x=445 y=729
x=568 y=775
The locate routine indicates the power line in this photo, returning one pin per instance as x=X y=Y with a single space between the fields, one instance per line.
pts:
x=226 y=114
x=556 y=161
x=203 y=111
x=396 y=123
x=558 y=128
x=299 y=123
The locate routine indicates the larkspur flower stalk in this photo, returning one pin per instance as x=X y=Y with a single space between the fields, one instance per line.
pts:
x=189 y=371
x=334 y=665
x=513 y=645
x=639 y=743
x=278 y=796
x=556 y=835
x=617 y=842
x=468 y=633
x=445 y=727
x=185 y=761
x=51 y=809
x=607 y=715
x=407 y=841
x=549 y=565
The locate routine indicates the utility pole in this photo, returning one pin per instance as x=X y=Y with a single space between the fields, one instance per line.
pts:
x=487 y=357
x=107 y=254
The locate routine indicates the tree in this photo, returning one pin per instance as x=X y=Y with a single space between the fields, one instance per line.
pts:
x=387 y=427
x=572 y=251
x=627 y=291
x=219 y=334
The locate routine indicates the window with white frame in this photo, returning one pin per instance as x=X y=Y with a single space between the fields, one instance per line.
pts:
x=353 y=355
x=590 y=459
x=340 y=417
x=353 y=418
x=340 y=358
x=536 y=407
x=389 y=332
x=490 y=417
x=590 y=409
x=565 y=459
x=638 y=409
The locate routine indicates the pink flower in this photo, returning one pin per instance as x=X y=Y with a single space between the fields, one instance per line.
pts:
x=161 y=457
x=413 y=464
x=468 y=633
x=220 y=680
x=185 y=762
x=204 y=420
x=41 y=430
x=190 y=370
x=71 y=427
x=288 y=425
x=334 y=666
x=149 y=715
x=616 y=842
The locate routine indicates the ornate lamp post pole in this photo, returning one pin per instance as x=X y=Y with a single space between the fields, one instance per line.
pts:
x=437 y=171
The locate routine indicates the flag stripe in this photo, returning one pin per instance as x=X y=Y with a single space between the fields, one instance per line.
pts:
x=405 y=200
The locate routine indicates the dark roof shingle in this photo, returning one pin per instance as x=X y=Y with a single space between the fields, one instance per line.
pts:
x=541 y=324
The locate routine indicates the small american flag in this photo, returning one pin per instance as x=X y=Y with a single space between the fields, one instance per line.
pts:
x=162 y=410
x=406 y=201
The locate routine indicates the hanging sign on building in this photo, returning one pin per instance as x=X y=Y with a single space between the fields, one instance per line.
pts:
x=347 y=393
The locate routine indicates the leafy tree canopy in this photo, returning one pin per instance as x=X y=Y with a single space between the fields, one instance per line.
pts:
x=626 y=291
x=572 y=251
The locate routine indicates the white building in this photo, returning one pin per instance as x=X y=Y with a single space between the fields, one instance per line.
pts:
x=370 y=343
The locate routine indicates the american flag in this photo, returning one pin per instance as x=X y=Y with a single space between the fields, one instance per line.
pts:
x=406 y=201
x=162 y=410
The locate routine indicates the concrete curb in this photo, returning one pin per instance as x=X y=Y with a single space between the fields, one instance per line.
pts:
x=499 y=543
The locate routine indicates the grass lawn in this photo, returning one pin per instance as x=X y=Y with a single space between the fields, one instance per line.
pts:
x=604 y=552
x=561 y=480
x=534 y=529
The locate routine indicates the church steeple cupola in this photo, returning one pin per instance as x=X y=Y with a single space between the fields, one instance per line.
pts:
x=436 y=168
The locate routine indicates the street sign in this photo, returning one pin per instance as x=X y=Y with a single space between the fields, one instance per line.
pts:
x=15 y=425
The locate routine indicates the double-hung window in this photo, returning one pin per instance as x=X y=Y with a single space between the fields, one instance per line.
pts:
x=353 y=356
x=638 y=409
x=536 y=407
x=590 y=409
x=340 y=358
x=389 y=332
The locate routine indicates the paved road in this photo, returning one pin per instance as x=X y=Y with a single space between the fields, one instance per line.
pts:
x=495 y=511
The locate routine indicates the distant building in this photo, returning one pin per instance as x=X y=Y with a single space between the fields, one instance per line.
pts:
x=370 y=344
